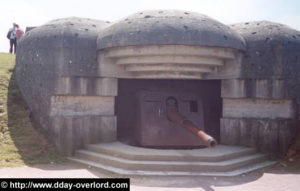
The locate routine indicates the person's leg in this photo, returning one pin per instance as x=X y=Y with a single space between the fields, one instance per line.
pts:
x=15 y=45
x=11 y=46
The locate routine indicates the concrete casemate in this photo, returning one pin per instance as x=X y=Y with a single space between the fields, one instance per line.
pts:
x=69 y=69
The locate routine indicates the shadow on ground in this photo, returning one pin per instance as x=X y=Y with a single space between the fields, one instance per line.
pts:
x=24 y=141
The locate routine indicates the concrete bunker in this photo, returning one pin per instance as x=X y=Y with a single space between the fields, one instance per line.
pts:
x=75 y=73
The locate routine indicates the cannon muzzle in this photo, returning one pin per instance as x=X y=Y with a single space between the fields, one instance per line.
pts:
x=175 y=116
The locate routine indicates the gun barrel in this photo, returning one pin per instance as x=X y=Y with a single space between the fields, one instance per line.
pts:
x=175 y=116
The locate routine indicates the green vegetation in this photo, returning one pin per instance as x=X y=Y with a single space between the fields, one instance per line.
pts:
x=21 y=141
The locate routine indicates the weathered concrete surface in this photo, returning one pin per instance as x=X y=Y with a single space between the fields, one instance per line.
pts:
x=258 y=108
x=124 y=160
x=76 y=131
x=170 y=62
x=254 y=88
x=170 y=27
x=265 y=107
x=46 y=55
x=268 y=135
x=74 y=85
x=272 y=52
x=272 y=49
x=82 y=105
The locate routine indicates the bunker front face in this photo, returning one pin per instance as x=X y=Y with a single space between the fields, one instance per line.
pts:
x=91 y=81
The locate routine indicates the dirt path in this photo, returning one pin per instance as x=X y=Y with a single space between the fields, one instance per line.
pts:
x=277 y=178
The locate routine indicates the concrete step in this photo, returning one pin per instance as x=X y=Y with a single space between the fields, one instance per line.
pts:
x=122 y=159
x=170 y=165
x=132 y=173
x=219 y=153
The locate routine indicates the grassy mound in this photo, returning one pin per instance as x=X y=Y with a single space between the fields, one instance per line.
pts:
x=21 y=142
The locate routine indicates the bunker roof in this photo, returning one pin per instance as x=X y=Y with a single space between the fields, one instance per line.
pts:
x=169 y=27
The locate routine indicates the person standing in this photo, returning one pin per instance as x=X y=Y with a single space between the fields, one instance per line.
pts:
x=19 y=32
x=12 y=36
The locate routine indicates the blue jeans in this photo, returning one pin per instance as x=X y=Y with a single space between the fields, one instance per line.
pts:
x=13 y=45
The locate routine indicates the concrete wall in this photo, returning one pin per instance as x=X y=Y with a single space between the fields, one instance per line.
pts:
x=57 y=73
x=261 y=108
x=267 y=135
x=258 y=113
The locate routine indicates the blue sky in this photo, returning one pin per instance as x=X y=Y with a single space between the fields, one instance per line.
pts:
x=37 y=12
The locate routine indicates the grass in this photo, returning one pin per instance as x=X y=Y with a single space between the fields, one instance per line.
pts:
x=21 y=141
